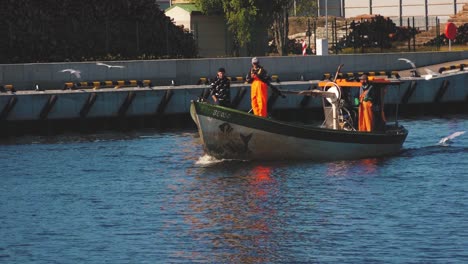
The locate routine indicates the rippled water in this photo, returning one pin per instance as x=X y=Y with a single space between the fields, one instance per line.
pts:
x=152 y=197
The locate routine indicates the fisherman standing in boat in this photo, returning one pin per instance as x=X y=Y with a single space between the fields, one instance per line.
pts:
x=259 y=91
x=220 y=89
x=366 y=117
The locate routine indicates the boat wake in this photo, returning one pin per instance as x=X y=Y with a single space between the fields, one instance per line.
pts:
x=432 y=150
x=443 y=146
x=440 y=147
x=449 y=139
x=207 y=160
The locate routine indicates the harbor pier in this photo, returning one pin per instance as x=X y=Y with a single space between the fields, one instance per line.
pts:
x=57 y=107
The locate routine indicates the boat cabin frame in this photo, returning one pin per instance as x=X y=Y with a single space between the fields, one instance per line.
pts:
x=340 y=110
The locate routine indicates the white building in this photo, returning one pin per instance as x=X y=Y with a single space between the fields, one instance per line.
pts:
x=210 y=32
x=398 y=10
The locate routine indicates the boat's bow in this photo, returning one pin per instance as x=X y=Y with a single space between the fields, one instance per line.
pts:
x=193 y=113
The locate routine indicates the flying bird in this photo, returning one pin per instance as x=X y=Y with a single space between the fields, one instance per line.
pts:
x=414 y=71
x=408 y=61
x=77 y=73
x=109 y=66
x=448 y=139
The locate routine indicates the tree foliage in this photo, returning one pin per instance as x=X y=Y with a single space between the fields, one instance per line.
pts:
x=69 y=30
x=305 y=8
x=280 y=26
x=250 y=20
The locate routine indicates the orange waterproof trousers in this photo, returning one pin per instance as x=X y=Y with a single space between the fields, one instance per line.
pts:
x=258 y=97
x=366 y=117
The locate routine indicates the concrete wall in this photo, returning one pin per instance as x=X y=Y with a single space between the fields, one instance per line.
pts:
x=450 y=87
x=188 y=71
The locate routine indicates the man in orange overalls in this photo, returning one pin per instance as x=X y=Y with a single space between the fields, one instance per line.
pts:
x=259 y=89
x=366 y=117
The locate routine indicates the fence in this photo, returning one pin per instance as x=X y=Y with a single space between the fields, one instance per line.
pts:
x=424 y=34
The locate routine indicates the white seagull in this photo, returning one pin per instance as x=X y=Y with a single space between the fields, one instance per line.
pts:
x=109 y=66
x=448 y=139
x=77 y=73
x=408 y=61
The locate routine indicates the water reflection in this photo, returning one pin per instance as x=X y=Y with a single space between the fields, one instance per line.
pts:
x=234 y=216
x=353 y=167
x=261 y=180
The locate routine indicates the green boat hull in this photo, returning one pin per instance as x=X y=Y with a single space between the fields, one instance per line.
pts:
x=231 y=134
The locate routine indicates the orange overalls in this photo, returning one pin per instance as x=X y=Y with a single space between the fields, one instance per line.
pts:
x=366 y=117
x=258 y=95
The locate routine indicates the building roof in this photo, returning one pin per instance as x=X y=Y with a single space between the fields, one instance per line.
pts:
x=187 y=7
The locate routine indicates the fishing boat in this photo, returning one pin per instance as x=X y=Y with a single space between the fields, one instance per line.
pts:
x=228 y=133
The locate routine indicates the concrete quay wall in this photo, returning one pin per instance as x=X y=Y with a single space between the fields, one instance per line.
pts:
x=188 y=71
x=166 y=100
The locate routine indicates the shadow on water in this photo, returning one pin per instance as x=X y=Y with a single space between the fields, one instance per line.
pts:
x=89 y=137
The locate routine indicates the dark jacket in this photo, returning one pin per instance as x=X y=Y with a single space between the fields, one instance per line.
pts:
x=260 y=72
x=370 y=92
x=220 y=88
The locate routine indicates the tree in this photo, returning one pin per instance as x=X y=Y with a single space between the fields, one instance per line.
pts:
x=250 y=20
x=306 y=8
x=281 y=25
x=244 y=19
x=69 y=30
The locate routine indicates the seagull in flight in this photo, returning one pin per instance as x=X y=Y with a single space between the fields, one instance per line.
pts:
x=414 y=71
x=448 y=139
x=408 y=61
x=77 y=73
x=109 y=66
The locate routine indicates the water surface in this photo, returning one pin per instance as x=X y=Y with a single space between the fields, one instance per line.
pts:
x=153 y=197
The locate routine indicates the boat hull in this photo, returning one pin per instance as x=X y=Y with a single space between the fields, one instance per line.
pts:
x=231 y=134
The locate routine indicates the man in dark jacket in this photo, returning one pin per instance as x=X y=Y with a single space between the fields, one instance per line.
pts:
x=220 y=89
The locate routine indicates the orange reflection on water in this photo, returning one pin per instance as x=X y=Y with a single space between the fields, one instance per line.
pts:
x=232 y=214
x=369 y=166
x=261 y=176
x=346 y=168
